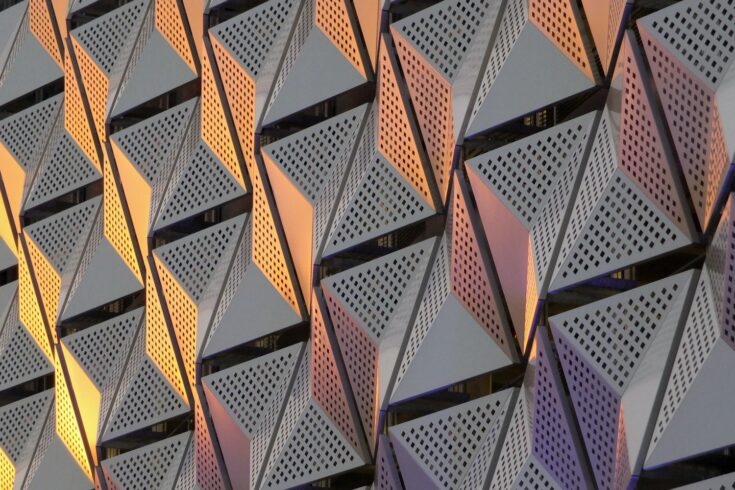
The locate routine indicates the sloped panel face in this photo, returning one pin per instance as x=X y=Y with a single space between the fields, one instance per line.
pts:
x=405 y=245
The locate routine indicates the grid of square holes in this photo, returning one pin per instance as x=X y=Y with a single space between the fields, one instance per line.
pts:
x=552 y=437
x=396 y=139
x=148 y=399
x=58 y=235
x=524 y=174
x=170 y=23
x=153 y=144
x=30 y=309
x=100 y=348
x=194 y=260
x=326 y=383
x=382 y=203
x=41 y=25
x=67 y=424
x=104 y=37
x=203 y=184
x=432 y=99
x=625 y=228
x=314 y=450
x=374 y=291
x=304 y=26
x=215 y=130
x=66 y=169
x=360 y=356
x=250 y=35
x=386 y=471
x=701 y=32
x=693 y=121
x=534 y=476
x=550 y=219
x=21 y=359
x=477 y=471
x=75 y=117
x=296 y=404
x=184 y=319
x=445 y=442
x=19 y=420
x=310 y=157
x=596 y=406
x=641 y=149
x=470 y=280
x=616 y=333
x=556 y=19
x=247 y=390
x=444 y=33
x=516 y=447
x=512 y=23
x=25 y=134
x=721 y=264
x=699 y=338
x=600 y=167
x=239 y=89
x=436 y=292
x=208 y=471
x=147 y=467
x=96 y=88
x=333 y=19
x=158 y=343
x=267 y=249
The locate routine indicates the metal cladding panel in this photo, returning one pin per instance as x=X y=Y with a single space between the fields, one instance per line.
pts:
x=415 y=244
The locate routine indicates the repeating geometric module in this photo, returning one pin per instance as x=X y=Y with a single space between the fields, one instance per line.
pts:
x=352 y=244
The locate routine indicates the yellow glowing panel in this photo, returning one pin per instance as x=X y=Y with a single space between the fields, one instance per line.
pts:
x=88 y=397
x=67 y=426
x=115 y=225
x=7 y=471
x=41 y=25
x=184 y=317
x=170 y=24
x=30 y=309
x=333 y=19
x=158 y=343
x=215 y=130
x=75 y=115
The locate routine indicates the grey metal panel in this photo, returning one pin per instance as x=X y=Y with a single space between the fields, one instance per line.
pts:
x=454 y=335
x=106 y=279
x=58 y=470
x=158 y=70
x=319 y=72
x=535 y=75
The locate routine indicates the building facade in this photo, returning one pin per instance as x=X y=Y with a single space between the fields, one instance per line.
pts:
x=407 y=244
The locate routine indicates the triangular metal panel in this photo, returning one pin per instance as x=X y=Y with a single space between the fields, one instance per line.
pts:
x=516 y=91
x=319 y=72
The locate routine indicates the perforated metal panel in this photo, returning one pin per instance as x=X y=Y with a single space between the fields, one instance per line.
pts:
x=400 y=245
